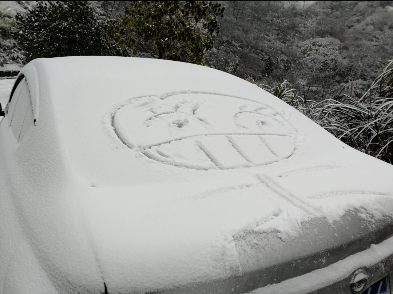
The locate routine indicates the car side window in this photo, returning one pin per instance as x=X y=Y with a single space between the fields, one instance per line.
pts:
x=20 y=111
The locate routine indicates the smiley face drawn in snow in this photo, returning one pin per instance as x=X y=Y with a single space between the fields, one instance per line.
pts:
x=204 y=131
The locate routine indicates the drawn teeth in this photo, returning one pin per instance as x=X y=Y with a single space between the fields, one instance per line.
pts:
x=217 y=152
x=253 y=149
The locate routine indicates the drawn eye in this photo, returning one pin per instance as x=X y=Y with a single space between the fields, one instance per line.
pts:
x=170 y=123
x=180 y=123
x=260 y=123
x=257 y=121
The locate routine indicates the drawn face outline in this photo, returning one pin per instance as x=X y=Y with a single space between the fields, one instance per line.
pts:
x=184 y=110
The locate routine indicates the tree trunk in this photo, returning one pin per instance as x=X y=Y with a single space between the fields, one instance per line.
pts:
x=160 y=55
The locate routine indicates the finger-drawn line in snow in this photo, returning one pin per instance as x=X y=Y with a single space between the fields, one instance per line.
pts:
x=307 y=169
x=349 y=192
x=157 y=115
x=202 y=130
x=208 y=154
x=238 y=149
x=222 y=191
x=259 y=123
x=288 y=196
x=267 y=145
x=244 y=191
x=196 y=136
x=258 y=228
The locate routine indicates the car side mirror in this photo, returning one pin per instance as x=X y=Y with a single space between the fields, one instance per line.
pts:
x=1 y=111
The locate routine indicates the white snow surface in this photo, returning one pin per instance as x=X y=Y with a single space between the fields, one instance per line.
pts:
x=140 y=173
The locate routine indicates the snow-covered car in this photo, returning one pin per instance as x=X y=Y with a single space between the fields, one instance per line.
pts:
x=129 y=175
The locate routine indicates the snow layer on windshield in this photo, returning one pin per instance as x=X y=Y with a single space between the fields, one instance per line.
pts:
x=145 y=174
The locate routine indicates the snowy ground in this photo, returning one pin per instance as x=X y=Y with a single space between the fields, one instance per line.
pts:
x=5 y=89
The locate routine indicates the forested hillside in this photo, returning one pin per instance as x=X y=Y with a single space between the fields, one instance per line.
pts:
x=322 y=49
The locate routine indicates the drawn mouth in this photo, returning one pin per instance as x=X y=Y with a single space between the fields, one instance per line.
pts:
x=220 y=151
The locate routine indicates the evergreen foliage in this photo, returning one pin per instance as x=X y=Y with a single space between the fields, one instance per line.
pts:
x=175 y=30
x=59 y=28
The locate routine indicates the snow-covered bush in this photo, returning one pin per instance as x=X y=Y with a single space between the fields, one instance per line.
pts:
x=51 y=29
x=365 y=123
x=174 y=30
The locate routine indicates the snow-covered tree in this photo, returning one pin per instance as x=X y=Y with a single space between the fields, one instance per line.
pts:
x=9 y=52
x=175 y=30
x=64 y=28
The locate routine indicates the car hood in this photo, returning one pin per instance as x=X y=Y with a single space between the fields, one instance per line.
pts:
x=260 y=229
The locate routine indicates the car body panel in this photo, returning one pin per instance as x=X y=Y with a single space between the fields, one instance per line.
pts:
x=141 y=175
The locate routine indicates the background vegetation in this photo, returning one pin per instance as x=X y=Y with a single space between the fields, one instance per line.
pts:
x=52 y=29
x=175 y=30
x=324 y=49
x=328 y=59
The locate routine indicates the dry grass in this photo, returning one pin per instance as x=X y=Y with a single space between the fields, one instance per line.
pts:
x=364 y=123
